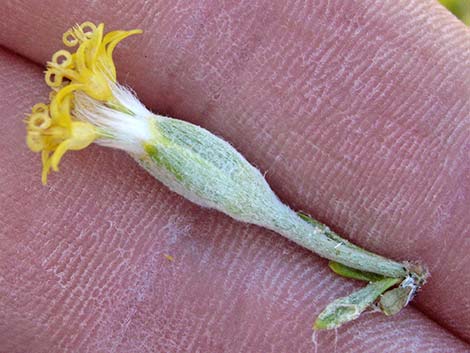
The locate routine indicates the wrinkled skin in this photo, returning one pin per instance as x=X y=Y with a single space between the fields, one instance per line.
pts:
x=359 y=113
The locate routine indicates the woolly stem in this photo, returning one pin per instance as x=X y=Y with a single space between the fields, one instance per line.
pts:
x=318 y=238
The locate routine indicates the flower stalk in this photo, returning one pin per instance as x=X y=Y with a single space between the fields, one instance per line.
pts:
x=89 y=106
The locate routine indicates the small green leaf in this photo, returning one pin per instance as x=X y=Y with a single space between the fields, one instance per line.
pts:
x=350 y=272
x=349 y=308
x=394 y=300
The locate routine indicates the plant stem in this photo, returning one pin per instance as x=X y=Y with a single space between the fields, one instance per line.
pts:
x=318 y=238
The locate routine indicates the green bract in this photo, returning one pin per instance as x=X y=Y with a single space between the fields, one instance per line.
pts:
x=210 y=172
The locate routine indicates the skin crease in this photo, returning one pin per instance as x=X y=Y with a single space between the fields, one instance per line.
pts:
x=359 y=114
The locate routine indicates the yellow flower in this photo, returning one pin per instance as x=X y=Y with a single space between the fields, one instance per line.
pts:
x=52 y=129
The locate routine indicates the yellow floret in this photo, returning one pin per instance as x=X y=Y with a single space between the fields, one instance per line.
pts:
x=52 y=129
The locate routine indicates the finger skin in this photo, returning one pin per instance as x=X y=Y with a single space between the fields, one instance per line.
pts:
x=358 y=112
x=83 y=265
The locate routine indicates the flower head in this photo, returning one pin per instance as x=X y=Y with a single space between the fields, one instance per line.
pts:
x=88 y=105
x=53 y=129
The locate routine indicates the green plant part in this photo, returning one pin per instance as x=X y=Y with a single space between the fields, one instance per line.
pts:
x=349 y=308
x=91 y=106
x=352 y=273
x=460 y=8
x=395 y=299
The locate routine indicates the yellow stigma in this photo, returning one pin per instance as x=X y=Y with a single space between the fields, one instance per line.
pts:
x=52 y=129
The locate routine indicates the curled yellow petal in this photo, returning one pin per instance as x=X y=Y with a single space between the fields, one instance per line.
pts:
x=52 y=128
